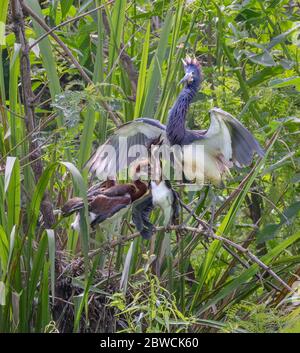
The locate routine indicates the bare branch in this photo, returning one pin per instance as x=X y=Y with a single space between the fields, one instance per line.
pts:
x=106 y=247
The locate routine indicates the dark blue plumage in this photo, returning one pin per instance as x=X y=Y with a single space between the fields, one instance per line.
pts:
x=177 y=116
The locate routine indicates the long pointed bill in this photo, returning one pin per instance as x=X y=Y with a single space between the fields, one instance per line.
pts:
x=187 y=77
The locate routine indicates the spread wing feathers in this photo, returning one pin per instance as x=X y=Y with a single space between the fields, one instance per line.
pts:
x=229 y=137
x=140 y=216
x=119 y=147
x=244 y=145
x=99 y=188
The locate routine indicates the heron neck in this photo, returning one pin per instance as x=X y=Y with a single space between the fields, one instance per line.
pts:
x=177 y=115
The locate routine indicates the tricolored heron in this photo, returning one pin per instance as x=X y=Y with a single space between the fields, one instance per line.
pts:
x=161 y=196
x=108 y=200
x=225 y=143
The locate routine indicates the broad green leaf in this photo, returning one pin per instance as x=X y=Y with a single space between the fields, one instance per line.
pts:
x=16 y=123
x=65 y=7
x=264 y=75
x=4 y=247
x=284 y=82
x=154 y=75
x=264 y=59
x=81 y=190
x=126 y=268
x=90 y=116
x=43 y=312
x=2 y=293
x=281 y=37
x=36 y=271
x=140 y=94
x=51 y=246
x=46 y=49
x=12 y=189
x=3 y=15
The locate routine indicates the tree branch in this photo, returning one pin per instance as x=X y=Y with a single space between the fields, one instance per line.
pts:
x=106 y=247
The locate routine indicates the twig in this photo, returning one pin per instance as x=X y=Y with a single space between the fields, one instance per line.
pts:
x=234 y=255
x=11 y=111
x=28 y=136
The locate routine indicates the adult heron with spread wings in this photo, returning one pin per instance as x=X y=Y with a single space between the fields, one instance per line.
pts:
x=224 y=144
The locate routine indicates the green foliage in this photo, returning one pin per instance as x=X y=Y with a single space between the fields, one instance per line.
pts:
x=55 y=280
x=261 y=318
x=255 y=318
x=150 y=307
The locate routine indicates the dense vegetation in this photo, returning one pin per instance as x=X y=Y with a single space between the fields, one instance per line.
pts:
x=69 y=72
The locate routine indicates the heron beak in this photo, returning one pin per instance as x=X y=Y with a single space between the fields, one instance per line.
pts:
x=188 y=77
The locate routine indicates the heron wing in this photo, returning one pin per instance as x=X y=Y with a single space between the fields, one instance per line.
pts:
x=128 y=143
x=227 y=139
x=104 y=207
x=243 y=143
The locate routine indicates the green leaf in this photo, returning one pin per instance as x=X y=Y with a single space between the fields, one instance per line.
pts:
x=284 y=82
x=3 y=15
x=250 y=272
x=16 y=123
x=46 y=49
x=12 y=189
x=270 y=230
x=126 y=268
x=264 y=75
x=65 y=7
x=2 y=293
x=116 y=22
x=37 y=197
x=154 y=75
x=264 y=59
x=51 y=246
x=140 y=94
x=36 y=271
x=281 y=37
x=81 y=191
x=90 y=116
x=267 y=233
x=4 y=247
